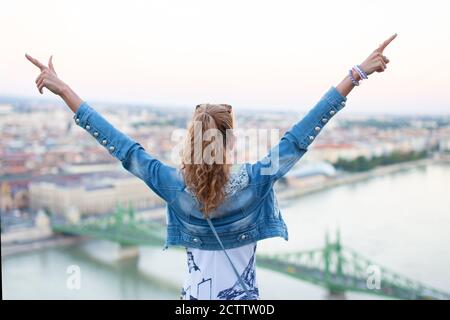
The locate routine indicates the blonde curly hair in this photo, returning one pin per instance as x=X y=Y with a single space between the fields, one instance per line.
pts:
x=204 y=159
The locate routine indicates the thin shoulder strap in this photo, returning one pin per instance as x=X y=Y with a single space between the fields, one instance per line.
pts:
x=241 y=282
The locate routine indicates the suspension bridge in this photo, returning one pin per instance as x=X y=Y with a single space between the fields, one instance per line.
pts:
x=334 y=267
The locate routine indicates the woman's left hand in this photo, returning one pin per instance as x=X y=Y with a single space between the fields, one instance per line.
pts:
x=48 y=78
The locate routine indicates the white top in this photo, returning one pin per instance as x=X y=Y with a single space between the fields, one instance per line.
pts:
x=210 y=276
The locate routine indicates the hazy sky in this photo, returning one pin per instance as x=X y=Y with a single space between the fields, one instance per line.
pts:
x=251 y=54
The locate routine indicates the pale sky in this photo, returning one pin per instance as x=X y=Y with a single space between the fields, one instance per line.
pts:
x=251 y=54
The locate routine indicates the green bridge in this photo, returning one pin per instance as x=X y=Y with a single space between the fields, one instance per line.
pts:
x=337 y=268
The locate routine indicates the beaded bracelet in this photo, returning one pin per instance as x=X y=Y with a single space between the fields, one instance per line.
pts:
x=360 y=71
x=350 y=75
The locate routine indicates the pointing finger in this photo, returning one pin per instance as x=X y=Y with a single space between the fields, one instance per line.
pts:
x=385 y=43
x=35 y=62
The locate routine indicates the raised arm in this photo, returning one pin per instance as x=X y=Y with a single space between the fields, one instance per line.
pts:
x=295 y=142
x=158 y=176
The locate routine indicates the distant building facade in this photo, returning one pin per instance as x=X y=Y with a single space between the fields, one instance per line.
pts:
x=90 y=193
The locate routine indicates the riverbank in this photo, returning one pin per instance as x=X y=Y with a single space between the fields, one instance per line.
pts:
x=350 y=178
x=405 y=232
x=51 y=242
x=282 y=194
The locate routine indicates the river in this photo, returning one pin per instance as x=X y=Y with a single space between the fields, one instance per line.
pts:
x=401 y=221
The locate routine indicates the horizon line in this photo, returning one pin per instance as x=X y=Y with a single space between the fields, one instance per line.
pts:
x=245 y=109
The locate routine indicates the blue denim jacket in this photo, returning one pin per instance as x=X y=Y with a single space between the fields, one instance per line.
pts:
x=249 y=212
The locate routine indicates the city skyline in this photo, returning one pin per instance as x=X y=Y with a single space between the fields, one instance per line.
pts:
x=252 y=55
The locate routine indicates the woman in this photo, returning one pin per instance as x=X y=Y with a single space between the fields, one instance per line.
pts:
x=216 y=214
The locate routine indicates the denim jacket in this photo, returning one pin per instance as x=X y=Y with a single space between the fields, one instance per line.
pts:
x=249 y=212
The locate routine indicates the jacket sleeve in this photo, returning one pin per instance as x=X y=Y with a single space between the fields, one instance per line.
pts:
x=158 y=176
x=295 y=142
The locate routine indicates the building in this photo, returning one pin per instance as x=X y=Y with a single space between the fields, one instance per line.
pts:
x=331 y=152
x=94 y=193
x=311 y=174
x=6 y=198
x=41 y=229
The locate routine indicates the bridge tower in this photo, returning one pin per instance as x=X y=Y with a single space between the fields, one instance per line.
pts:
x=333 y=261
x=126 y=250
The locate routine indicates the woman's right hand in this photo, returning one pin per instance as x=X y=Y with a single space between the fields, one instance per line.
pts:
x=377 y=61
x=48 y=77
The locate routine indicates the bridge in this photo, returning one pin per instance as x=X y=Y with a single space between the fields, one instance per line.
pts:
x=337 y=268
